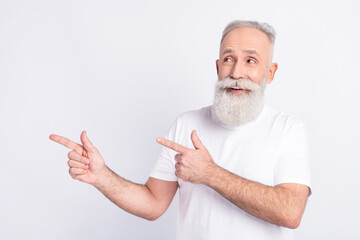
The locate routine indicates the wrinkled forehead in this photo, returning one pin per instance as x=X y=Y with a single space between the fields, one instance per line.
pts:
x=246 y=39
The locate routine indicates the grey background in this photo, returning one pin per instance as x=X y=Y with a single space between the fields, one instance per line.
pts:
x=124 y=70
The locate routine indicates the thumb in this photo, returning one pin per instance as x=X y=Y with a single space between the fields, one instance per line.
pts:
x=196 y=140
x=86 y=142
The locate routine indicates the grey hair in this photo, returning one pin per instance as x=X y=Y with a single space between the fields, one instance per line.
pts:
x=264 y=27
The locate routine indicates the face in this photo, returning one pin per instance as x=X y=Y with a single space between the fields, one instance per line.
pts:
x=246 y=53
x=243 y=69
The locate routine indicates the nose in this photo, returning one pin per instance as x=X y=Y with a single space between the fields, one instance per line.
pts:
x=237 y=71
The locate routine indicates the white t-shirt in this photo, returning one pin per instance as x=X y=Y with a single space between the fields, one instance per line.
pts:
x=270 y=150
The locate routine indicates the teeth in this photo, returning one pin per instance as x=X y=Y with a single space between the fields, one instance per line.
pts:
x=236 y=88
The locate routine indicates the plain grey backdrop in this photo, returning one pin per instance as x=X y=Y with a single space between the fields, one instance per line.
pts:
x=123 y=70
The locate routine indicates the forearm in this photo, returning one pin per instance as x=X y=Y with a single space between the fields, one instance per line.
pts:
x=282 y=205
x=131 y=197
x=148 y=201
x=273 y=204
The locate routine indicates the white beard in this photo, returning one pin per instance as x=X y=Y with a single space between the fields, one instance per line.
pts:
x=234 y=110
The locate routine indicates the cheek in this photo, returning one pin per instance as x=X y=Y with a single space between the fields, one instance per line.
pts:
x=224 y=72
x=257 y=75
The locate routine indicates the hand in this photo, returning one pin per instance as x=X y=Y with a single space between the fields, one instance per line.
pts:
x=85 y=161
x=192 y=165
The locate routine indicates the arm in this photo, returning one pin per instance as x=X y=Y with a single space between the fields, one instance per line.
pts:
x=148 y=201
x=283 y=204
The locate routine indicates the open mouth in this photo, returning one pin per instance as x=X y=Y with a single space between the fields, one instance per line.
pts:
x=237 y=90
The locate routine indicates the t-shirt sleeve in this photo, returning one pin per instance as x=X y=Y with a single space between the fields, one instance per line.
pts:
x=293 y=163
x=164 y=169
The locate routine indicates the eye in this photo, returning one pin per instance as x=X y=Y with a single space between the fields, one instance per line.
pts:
x=228 y=59
x=250 y=60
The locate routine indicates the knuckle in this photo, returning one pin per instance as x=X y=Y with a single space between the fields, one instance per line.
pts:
x=177 y=166
x=171 y=145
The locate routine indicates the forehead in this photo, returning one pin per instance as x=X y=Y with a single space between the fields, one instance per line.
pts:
x=246 y=39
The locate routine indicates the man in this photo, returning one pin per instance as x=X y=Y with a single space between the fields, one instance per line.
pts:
x=245 y=176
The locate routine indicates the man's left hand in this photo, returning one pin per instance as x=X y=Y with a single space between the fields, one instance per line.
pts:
x=192 y=165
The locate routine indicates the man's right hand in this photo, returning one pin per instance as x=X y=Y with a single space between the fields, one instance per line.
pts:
x=85 y=161
x=148 y=201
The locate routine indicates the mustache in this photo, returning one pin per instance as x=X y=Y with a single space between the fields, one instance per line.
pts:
x=243 y=83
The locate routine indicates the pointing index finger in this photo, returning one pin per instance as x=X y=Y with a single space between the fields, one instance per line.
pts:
x=67 y=143
x=172 y=145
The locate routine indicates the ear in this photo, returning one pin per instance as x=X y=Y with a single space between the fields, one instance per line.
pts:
x=217 y=67
x=272 y=71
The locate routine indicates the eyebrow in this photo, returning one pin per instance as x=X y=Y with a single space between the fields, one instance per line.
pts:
x=228 y=50
x=251 y=52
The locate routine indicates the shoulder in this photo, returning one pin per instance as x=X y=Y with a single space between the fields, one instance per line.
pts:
x=288 y=127
x=191 y=119
x=197 y=115
x=284 y=120
x=186 y=122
